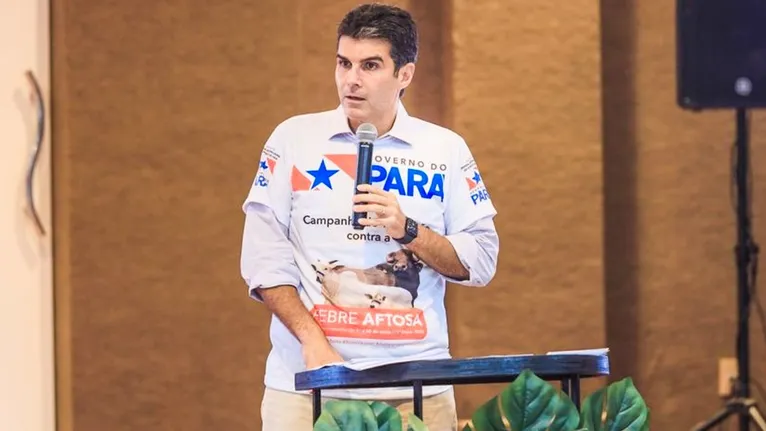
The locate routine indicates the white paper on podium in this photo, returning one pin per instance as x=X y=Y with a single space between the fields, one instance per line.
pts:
x=592 y=352
x=515 y=355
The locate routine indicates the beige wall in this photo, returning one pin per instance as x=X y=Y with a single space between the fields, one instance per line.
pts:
x=27 y=399
x=615 y=219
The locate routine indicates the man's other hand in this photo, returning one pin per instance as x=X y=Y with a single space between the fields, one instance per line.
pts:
x=320 y=353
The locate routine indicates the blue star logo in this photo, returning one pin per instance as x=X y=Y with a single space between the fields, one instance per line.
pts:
x=476 y=177
x=264 y=165
x=322 y=175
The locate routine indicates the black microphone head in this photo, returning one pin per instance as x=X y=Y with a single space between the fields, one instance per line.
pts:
x=366 y=132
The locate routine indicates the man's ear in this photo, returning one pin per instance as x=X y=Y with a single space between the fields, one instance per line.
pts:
x=406 y=74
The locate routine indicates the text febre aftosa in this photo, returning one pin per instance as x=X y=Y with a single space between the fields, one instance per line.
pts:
x=371 y=323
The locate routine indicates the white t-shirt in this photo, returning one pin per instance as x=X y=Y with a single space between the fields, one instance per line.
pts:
x=374 y=299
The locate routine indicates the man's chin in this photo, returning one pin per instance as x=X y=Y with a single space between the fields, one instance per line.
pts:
x=355 y=114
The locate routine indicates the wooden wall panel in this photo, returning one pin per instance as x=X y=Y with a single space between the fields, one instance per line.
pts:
x=525 y=93
x=161 y=113
x=669 y=223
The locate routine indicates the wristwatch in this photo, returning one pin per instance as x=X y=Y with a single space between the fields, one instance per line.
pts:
x=410 y=232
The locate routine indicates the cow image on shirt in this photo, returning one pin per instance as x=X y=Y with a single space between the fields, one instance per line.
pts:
x=392 y=284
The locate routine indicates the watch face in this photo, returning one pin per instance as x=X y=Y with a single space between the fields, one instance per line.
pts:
x=411 y=227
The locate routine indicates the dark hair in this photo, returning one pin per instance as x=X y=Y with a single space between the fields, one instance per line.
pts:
x=390 y=23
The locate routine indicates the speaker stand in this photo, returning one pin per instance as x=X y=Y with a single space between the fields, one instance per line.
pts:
x=745 y=408
x=746 y=253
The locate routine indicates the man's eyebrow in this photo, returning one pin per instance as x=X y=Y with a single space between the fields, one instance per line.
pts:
x=373 y=58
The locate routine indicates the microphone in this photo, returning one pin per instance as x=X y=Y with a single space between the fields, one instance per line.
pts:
x=366 y=133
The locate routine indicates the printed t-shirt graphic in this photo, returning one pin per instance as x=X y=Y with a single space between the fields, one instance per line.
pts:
x=475 y=185
x=266 y=167
x=375 y=301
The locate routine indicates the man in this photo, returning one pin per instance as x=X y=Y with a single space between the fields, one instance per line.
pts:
x=374 y=295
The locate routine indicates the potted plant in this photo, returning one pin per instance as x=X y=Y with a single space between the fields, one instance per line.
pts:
x=528 y=403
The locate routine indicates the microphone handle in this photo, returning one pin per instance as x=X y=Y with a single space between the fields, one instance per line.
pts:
x=363 y=170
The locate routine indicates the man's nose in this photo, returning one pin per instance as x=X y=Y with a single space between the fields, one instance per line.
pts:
x=353 y=77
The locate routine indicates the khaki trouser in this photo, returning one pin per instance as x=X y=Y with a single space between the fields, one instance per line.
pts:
x=286 y=411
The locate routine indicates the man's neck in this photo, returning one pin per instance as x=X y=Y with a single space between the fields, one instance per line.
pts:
x=382 y=125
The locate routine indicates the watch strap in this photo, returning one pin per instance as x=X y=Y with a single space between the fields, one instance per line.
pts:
x=409 y=224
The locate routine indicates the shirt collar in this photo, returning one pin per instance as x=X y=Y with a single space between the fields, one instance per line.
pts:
x=401 y=130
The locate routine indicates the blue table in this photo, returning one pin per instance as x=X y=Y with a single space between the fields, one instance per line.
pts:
x=566 y=368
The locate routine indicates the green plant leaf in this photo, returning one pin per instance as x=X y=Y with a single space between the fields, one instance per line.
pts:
x=617 y=407
x=527 y=404
x=388 y=417
x=342 y=415
x=415 y=424
x=592 y=407
x=326 y=422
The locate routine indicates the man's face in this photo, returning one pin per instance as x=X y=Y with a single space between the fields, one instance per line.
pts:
x=364 y=75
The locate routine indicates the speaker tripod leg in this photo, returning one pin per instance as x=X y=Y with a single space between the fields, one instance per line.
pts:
x=719 y=417
x=756 y=416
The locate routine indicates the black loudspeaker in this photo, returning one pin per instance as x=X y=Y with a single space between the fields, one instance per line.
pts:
x=721 y=48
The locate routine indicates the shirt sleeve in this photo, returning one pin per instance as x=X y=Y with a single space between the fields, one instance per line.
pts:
x=267 y=258
x=272 y=186
x=469 y=220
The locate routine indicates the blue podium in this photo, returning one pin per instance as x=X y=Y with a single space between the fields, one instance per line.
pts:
x=567 y=368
